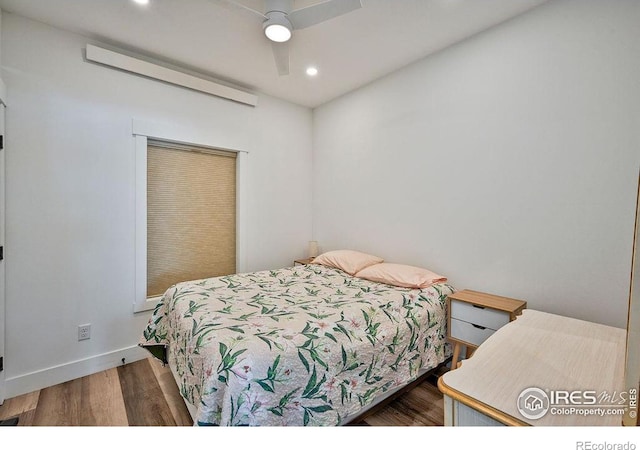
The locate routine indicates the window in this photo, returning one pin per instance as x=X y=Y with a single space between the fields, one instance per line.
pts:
x=186 y=215
x=191 y=215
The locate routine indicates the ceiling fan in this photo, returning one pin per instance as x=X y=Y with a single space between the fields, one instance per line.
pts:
x=279 y=20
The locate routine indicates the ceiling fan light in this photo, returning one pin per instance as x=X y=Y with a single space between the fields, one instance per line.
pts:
x=277 y=27
x=278 y=33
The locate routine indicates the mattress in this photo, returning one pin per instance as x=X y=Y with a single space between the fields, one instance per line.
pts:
x=302 y=346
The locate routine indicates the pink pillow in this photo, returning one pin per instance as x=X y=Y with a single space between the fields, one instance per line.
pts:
x=348 y=261
x=400 y=275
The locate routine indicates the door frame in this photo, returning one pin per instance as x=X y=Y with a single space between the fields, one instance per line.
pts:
x=3 y=104
x=632 y=361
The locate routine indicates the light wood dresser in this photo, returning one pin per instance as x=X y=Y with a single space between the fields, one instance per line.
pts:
x=540 y=369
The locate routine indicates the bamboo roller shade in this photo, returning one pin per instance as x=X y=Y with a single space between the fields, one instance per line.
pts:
x=191 y=216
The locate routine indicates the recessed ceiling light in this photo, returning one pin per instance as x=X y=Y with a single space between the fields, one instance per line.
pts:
x=312 y=71
x=142 y=2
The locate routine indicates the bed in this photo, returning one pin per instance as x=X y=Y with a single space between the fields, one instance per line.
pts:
x=307 y=345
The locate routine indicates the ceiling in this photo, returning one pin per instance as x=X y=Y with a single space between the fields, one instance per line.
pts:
x=226 y=42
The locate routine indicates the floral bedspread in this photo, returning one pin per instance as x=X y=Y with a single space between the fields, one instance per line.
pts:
x=305 y=345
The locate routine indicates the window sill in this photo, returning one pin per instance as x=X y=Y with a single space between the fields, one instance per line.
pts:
x=148 y=305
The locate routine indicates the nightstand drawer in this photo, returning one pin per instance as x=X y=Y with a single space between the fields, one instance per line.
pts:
x=467 y=332
x=486 y=317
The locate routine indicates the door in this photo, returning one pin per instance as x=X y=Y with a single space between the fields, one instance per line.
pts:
x=2 y=227
x=632 y=372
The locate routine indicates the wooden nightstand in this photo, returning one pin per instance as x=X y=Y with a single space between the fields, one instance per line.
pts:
x=474 y=316
x=303 y=261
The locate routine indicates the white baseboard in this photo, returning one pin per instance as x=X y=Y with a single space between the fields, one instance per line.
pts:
x=30 y=382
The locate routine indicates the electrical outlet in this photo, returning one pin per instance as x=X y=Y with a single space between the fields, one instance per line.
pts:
x=84 y=332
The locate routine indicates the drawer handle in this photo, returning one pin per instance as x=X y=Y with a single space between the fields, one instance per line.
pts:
x=478 y=306
x=478 y=326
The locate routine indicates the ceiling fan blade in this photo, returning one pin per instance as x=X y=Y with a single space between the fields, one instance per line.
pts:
x=311 y=15
x=237 y=5
x=281 y=55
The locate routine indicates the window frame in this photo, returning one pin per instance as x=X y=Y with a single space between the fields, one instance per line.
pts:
x=142 y=133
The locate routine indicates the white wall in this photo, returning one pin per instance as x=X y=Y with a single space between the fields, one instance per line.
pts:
x=508 y=162
x=71 y=196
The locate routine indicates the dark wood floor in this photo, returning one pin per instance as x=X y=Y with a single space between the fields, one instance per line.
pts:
x=144 y=393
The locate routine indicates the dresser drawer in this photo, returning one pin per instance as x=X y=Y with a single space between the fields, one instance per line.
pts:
x=467 y=332
x=486 y=317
